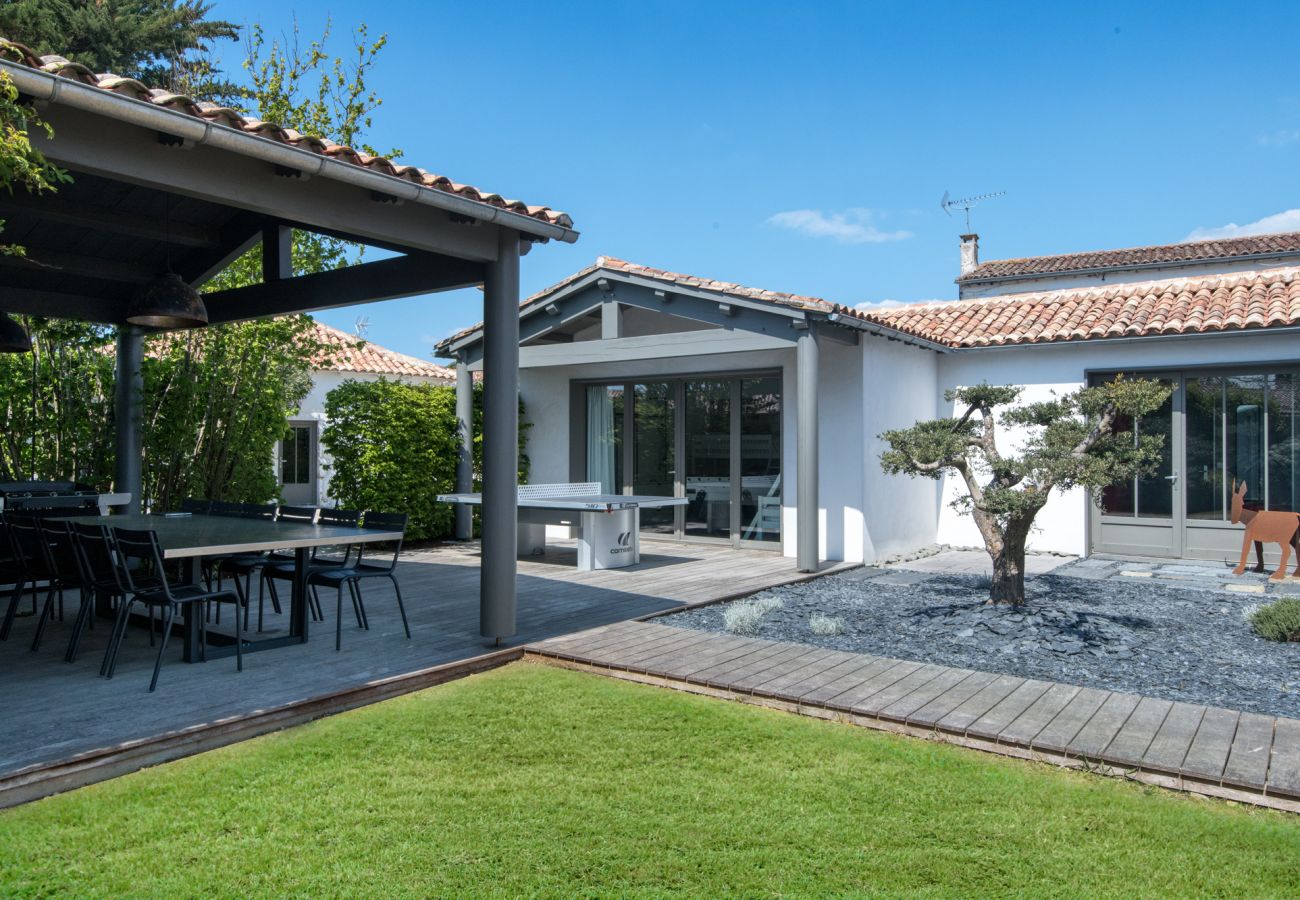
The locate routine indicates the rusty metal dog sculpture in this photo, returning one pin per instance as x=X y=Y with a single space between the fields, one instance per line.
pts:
x=1282 y=528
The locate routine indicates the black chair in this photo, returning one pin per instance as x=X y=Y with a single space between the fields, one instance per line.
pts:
x=352 y=575
x=139 y=563
x=12 y=571
x=93 y=548
x=38 y=565
x=217 y=565
x=225 y=508
x=195 y=506
x=246 y=565
x=284 y=571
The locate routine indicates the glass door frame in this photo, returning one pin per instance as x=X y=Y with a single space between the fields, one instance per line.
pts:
x=678 y=382
x=1182 y=528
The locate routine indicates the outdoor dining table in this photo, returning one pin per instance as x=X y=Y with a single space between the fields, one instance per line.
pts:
x=189 y=538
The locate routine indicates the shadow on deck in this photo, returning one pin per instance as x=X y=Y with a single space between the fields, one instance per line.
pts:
x=63 y=715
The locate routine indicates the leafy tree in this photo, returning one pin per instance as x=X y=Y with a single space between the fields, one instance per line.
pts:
x=1078 y=440
x=394 y=448
x=21 y=163
x=158 y=42
x=62 y=393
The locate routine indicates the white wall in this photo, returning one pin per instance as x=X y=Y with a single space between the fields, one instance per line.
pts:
x=1062 y=524
x=899 y=384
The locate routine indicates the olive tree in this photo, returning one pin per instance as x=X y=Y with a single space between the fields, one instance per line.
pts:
x=1081 y=439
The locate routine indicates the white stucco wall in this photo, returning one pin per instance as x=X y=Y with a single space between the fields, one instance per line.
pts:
x=899 y=384
x=1062 y=525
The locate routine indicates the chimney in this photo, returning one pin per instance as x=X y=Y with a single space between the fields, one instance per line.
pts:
x=970 y=253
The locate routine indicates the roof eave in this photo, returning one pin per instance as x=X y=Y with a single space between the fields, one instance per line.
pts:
x=966 y=280
x=48 y=88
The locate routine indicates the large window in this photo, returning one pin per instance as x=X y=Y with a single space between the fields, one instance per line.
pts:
x=1150 y=497
x=714 y=440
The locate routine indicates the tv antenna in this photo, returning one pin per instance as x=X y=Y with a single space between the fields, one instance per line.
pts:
x=965 y=203
x=362 y=326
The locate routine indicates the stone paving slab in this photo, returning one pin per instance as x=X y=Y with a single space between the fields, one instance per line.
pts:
x=1203 y=747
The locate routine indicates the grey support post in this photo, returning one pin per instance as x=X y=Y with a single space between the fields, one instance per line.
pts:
x=465 y=454
x=128 y=393
x=500 y=438
x=807 y=390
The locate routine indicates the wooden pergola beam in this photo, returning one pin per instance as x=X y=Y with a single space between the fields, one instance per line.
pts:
x=53 y=209
x=386 y=279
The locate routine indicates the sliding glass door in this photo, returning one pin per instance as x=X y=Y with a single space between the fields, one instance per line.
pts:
x=714 y=440
x=1220 y=428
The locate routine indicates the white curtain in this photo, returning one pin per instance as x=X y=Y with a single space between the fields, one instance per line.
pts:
x=600 y=438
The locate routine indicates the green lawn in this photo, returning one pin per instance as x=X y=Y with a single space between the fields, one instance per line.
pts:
x=543 y=781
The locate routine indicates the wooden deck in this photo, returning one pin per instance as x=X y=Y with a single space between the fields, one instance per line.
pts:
x=56 y=712
x=1220 y=752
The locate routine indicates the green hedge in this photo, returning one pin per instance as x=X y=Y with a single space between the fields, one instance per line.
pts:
x=394 y=449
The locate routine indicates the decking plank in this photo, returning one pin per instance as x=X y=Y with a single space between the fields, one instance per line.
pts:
x=849 y=699
x=1022 y=694
x=1096 y=736
x=1025 y=727
x=1208 y=754
x=1169 y=747
x=902 y=708
x=769 y=668
x=1056 y=735
x=810 y=664
x=1252 y=745
x=831 y=668
x=868 y=666
x=899 y=689
x=932 y=712
x=979 y=704
x=1284 y=767
x=1134 y=738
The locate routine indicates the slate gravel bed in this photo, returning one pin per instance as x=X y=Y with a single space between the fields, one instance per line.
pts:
x=1140 y=636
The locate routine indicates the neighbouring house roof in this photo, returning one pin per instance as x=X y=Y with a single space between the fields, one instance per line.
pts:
x=348 y=353
x=1207 y=304
x=221 y=115
x=1222 y=249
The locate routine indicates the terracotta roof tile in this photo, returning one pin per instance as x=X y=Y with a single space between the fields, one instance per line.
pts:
x=1193 y=251
x=220 y=115
x=369 y=357
x=1201 y=305
x=1206 y=304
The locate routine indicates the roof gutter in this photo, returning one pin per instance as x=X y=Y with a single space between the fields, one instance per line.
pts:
x=885 y=331
x=48 y=88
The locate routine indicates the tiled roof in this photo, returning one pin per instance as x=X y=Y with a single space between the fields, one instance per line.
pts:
x=344 y=355
x=1194 y=251
x=222 y=115
x=1201 y=305
x=613 y=264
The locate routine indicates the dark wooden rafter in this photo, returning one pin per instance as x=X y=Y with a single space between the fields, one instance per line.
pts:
x=385 y=279
x=43 y=261
x=79 y=213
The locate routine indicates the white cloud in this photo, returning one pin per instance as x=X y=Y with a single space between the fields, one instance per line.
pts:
x=876 y=305
x=1283 y=221
x=851 y=226
x=1280 y=138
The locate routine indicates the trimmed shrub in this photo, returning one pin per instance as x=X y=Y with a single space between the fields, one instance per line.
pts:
x=1277 y=621
x=825 y=625
x=394 y=448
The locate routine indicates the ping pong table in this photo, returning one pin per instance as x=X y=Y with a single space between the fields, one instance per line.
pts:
x=609 y=525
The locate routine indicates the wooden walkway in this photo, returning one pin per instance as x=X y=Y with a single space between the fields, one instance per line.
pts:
x=1205 y=749
x=61 y=714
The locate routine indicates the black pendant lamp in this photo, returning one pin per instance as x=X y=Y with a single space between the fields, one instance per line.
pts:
x=13 y=337
x=167 y=301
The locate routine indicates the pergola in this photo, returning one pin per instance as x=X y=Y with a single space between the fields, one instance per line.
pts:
x=162 y=183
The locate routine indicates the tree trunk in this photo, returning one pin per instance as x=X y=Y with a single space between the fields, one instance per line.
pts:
x=1009 y=566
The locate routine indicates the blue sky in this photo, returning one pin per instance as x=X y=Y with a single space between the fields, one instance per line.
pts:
x=806 y=148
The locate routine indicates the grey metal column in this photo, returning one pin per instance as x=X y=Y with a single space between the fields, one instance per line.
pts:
x=807 y=505
x=128 y=394
x=500 y=438
x=465 y=455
